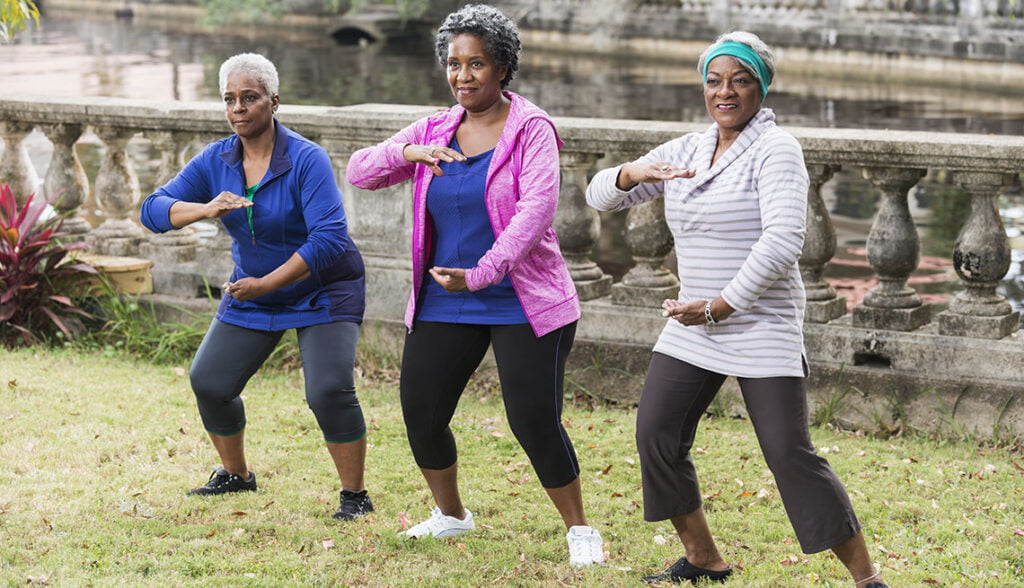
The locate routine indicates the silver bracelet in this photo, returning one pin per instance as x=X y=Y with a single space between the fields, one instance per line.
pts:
x=707 y=314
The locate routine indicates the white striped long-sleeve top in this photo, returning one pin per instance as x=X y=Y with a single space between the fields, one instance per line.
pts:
x=738 y=228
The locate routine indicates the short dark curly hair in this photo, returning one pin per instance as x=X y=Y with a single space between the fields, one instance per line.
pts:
x=499 y=34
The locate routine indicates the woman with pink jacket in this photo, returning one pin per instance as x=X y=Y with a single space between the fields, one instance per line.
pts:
x=487 y=270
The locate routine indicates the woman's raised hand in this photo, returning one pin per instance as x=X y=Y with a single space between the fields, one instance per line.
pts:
x=638 y=172
x=224 y=203
x=429 y=155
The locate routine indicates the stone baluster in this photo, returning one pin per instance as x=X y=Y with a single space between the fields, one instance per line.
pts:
x=117 y=193
x=15 y=166
x=173 y=247
x=981 y=257
x=578 y=226
x=66 y=183
x=823 y=304
x=648 y=283
x=894 y=250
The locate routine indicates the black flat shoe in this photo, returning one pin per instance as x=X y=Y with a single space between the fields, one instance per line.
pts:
x=876 y=585
x=683 y=570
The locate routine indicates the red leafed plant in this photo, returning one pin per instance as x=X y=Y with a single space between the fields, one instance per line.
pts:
x=36 y=277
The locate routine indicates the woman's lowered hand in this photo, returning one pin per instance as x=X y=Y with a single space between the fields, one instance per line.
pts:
x=452 y=279
x=246 y=288
x=685 y=313
x=693 y=313
x=638 y=172
x=430 y=155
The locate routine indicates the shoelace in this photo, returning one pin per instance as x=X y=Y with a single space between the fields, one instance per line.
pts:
x=354 y=504
x=583 y=546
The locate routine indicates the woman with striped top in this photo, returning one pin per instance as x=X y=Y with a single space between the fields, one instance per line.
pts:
x=735 y=201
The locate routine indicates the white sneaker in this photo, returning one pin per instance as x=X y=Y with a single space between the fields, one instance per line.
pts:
x=585 y=546
x=441 y=525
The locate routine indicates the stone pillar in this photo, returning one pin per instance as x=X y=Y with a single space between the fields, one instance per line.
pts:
x=117 y=193
x=823 y=304
x=981 y=258
x=15 y=166
x=578 y=226
x=66 y=184
x=172 y=247
x=894 y=250
x=648 y=283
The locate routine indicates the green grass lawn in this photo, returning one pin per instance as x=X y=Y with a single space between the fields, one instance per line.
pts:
x=98 y=451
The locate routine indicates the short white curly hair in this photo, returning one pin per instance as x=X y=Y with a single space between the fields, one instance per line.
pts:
x=255 y=65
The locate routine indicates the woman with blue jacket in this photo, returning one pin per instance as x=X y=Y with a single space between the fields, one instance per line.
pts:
x=295 y=268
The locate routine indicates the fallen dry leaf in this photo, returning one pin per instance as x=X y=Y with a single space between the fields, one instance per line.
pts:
x=212 y=533
x=1019 y=532
x=180 y=372
x=790 y=560
x=39 y=579
x=239 y=513
x=660 y=540
x=328 y=543
x=605 y=471
x=403 y=521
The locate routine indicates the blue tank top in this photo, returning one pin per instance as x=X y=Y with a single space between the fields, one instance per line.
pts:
x=462 y=234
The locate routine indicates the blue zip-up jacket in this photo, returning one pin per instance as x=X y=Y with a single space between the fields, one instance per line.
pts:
x=297 y=208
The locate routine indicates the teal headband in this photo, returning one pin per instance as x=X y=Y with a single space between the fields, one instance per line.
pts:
x=745 y=54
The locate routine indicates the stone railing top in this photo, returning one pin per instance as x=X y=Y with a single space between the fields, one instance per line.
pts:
x=368 y=123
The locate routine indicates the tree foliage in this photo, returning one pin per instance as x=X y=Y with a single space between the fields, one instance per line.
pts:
x=14 y=14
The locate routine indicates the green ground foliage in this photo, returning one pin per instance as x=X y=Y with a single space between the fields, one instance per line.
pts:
x=98 y=449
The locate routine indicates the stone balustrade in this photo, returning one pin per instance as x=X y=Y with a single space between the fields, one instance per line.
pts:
x=975 y=341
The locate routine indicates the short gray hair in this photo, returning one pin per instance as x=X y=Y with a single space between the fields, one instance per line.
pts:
x=750 y=40
x=255 y=65
x=498 y=32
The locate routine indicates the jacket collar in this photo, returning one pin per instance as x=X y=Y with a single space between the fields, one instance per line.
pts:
x=708 y=142
x=279 y=160
x=520 y=111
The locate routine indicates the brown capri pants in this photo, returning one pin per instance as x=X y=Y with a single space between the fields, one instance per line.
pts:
x=675 y=396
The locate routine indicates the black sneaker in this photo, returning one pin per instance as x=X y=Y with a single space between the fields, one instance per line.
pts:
x=353 y=505
x=223 y=482
x=684 y=571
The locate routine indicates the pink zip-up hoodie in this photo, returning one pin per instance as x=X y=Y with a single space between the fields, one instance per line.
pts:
x=521 y=197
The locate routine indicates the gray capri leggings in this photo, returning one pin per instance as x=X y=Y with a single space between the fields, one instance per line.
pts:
x=673 y=400
x=229 y=355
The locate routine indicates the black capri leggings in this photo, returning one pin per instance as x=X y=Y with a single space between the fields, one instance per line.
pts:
x=439 y=359
x=229 y=355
